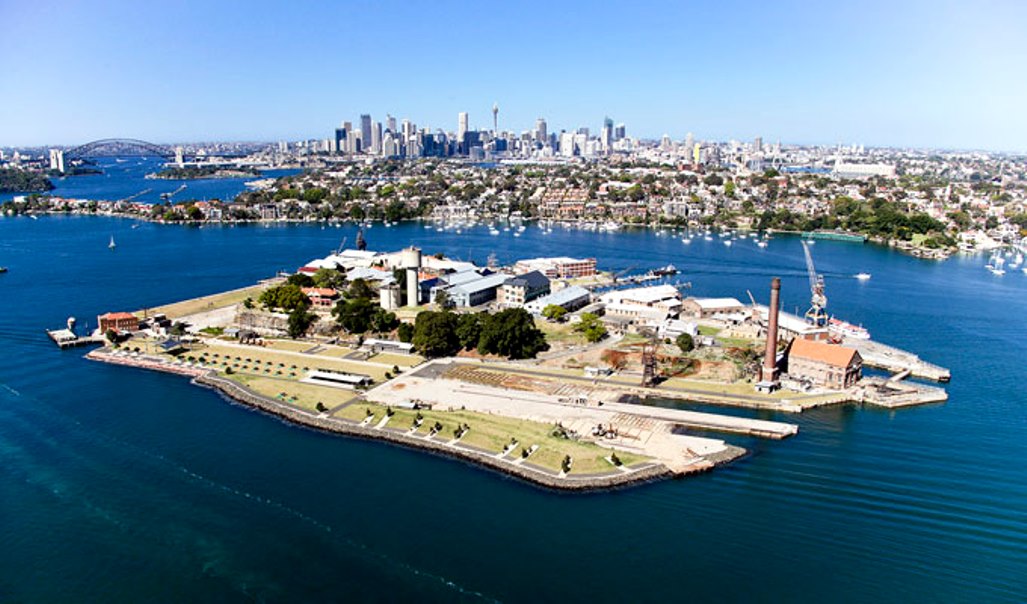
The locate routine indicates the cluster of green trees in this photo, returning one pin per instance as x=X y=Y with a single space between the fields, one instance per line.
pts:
x=13 y=180
x=287 y=296
x=188 y=172
x=876 y=217
x=510 y=333
x=358 y=313
x=591 y=327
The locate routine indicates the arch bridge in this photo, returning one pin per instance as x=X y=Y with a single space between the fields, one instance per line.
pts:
x=119 y=147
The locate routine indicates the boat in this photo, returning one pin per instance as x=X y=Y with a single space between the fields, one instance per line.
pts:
x=3 y=269
x=665 y=271
x=112 y=245
x=863 y=276
x=847 y=330
x=761 y=243
x=728 y=243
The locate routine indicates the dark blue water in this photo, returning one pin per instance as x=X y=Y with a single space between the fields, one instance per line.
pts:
x=123 y=485
x=125 y=177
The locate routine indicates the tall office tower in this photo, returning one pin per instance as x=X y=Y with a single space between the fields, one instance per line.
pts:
x=689 y=141
x=540 y=130
x=179 y=157
x=584 y=130
x=495 y=119
x=390 y=123
x=696 y=154
x=757 y=143
x=365 y=131
x=389 y=145
x=341 y=144
x=665 y=142
x=620 y=132
x=283 y=146
x=376 y=137
x=461 y=127
x=408 y=129
x=606 y=138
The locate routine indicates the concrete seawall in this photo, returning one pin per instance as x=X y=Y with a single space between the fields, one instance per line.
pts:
x=239 y=394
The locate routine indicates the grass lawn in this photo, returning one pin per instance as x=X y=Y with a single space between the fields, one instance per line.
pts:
x=402 y=360
x=493 y=432
x=306 y=395
x=706 y=330
x=271 y=361
x=195 y=305
x=562 y=333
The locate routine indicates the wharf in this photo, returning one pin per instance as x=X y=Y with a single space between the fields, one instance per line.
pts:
x=65 y=338
x=708 y=421
x=895 y=360
x=895 y=394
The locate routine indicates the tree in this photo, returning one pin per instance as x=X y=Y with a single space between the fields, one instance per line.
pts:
x=442 y=300
x=435 y=334
x=358 y=289
x=300 y=280
x=405 y=332
x=355 y=315
x=554 y=312
x=111 y=335
x=383 y=321
x=286 y=297
x=468 y=329
x=512 y=333
x=685 y=342
x=592 y=327
x=328 y=277
x=300 y=320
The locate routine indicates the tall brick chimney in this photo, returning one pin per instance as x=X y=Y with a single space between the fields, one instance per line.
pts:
x=768 y=373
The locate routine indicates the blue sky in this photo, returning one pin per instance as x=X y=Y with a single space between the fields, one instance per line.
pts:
x=926 y=74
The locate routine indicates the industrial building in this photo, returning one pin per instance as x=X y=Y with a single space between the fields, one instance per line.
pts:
x=559 y=267
x=705 y=308
x=521 y=289
x=823 y=364
x=570 y=298
x=643 y=304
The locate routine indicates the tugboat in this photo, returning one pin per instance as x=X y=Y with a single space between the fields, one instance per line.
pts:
x=3 y=269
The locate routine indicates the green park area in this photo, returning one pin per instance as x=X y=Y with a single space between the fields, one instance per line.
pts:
x=492 y=433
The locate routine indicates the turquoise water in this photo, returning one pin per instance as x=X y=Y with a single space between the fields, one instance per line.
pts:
x=123 y=485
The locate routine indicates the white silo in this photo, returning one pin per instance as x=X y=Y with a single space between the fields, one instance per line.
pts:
x=411 y=261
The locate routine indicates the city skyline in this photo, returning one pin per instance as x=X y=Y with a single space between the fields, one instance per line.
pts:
x=917 y=75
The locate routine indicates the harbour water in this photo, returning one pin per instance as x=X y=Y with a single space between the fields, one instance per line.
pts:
x=124 y=485
x=126 y=177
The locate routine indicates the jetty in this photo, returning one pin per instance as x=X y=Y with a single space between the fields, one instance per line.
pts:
x=897 y=361
x=65 y=338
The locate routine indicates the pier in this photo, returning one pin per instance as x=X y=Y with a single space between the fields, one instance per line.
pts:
x=897 y=361
x=65 y=338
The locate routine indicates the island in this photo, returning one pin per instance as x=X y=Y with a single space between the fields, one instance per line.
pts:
x=195 y=172
x=541 y=370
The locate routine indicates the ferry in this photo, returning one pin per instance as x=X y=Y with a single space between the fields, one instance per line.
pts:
x=863 y=276
x=665 y=271
x=847 y=330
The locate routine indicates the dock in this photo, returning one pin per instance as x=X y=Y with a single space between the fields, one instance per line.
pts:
x=65 y=338
x=897 y=361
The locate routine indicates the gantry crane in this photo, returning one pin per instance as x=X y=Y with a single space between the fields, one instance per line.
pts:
x=168 y=196
x=817 y=313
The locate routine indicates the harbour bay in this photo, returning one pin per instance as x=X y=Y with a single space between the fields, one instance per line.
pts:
x=174 y=492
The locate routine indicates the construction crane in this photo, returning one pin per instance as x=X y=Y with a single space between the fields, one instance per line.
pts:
x=756 y=317
x=817 y=313
x=168 y=196
x=342 y=246
x=619 y=274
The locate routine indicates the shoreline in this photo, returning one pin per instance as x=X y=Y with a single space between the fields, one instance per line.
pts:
x=238 y=394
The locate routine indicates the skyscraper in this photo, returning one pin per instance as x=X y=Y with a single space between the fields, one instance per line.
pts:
x=365 y=131
x=619 y=132
x=461 y=127
x=390 y=123
x=757 y=143
x=495 y=119
x=540 y=130
x=376 y=137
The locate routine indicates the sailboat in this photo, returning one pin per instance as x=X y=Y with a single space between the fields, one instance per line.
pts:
x=112 y=245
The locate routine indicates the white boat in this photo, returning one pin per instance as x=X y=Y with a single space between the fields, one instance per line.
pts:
x=686 y=240
x=863 y=276
x=847 y=330
x=728 y=243
x=761 y=243
x=112 y=245
x=997 y=271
